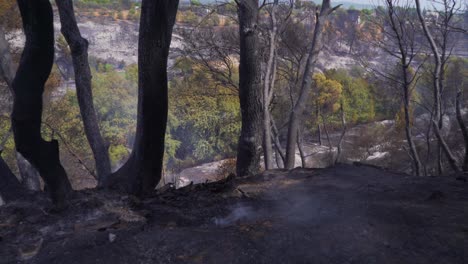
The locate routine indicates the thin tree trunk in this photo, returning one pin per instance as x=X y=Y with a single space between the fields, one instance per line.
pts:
x=319 y=129
x=267 y=146
x=301 y=151
x=28 y=86
x=143 y=170
x=437 y=82
x=79 y=51
x=330 y=147
x=406 y=86
x=299 y=107
x=408 y=131
x=277 y=142
x=462 y=125
x=451 y=158
x=250 y=90
x=343 y=133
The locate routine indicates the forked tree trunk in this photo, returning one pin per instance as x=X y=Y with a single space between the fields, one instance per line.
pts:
x=143 y=170
x=437 y=78
x=267 y=91
x=28 y=86
x=306 y=85
x=397 y=26
x=79 y=51
x=250 y=90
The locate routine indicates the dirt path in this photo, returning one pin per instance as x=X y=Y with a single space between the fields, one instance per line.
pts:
x=345 y=214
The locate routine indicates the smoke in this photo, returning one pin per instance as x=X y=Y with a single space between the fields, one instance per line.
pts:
x=238 y=213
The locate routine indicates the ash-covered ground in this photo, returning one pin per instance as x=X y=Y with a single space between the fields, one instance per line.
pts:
x=343 y=214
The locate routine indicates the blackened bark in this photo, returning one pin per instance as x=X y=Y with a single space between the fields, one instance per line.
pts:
x=306 y=85
x=10 y=187
x=142 y=172
x=28 y=86
x=79 y=51
x=462 y=125
x=7 y=71
x=250 y=90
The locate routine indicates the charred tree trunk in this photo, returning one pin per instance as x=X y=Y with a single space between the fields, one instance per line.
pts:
x=250 y=90
x=10 y=187
x=28 y=86
x=299 y=107
x=27 y=171
x=143 y=170
x=408 y=126
x=462 y=125
x=79 y=51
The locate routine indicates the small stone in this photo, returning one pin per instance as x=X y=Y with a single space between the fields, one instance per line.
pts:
x=112 y=237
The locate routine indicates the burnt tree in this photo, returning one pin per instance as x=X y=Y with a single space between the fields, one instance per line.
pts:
x=28 y=87
x=79 y=51
x=306 y=84
x=250 y=90
x=142 y=172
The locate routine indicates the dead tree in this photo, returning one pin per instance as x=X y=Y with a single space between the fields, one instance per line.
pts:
x=250 y=89
x=437 y=78
x=268 y=89
x=300 y=104
x=28 y=173
x=401 y=45
x=143 y=170
x=28 y=87
x=79 y=51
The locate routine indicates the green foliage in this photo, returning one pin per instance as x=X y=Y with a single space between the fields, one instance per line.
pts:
x=195 y=2
x=357 y=96
x=208 y=116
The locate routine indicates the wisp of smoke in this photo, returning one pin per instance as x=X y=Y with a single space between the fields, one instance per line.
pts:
x=239 y=212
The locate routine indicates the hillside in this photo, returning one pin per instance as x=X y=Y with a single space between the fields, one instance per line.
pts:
x=343 y=214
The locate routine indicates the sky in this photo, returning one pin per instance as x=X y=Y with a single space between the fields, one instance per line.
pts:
x=425 y=3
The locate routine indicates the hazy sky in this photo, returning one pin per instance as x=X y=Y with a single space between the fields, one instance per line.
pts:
x=425 y=3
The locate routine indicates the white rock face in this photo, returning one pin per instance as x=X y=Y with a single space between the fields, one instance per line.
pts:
x=108 y=39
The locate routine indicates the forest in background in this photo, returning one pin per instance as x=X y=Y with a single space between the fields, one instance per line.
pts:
x=204 y=118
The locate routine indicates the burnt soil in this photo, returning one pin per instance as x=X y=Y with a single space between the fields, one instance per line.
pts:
x=343 y=214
